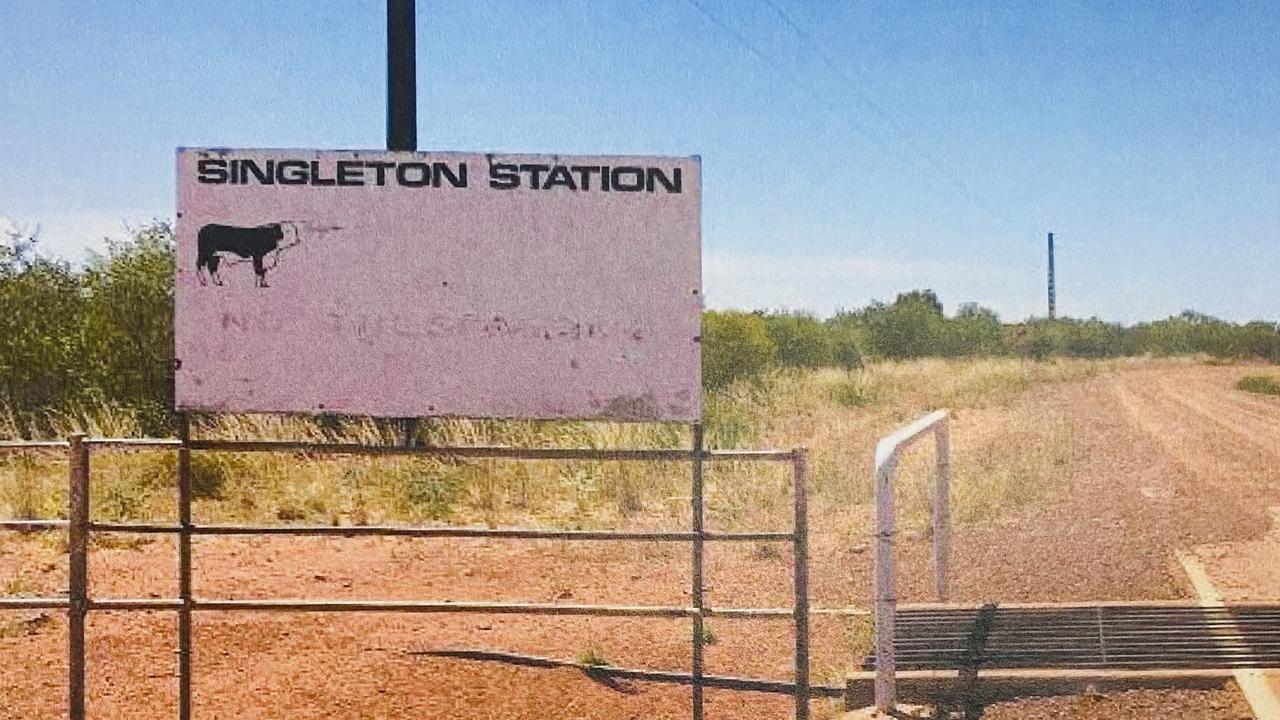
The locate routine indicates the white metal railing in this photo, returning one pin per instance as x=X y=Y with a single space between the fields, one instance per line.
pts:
x=887 y=452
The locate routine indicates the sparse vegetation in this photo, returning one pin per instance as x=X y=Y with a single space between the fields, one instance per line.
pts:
x=17 y=584
x=708 y=634
x=1262 y=384
x=765 y=551
x=853 y=393
x=27 y=488
x=591 y=656
x=22 y=627
x=838 y=414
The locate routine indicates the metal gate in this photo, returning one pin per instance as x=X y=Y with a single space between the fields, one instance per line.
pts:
x=80 y=525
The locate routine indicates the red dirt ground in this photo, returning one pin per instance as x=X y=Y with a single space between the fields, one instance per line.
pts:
x=1172 y=458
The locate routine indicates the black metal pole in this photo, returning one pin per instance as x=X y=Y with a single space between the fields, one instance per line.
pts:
x=402 y=76
x=402 y=106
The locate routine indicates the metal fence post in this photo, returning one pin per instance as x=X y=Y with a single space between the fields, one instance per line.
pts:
x=77 y=572
x=886 y=584
x=184 y=567
x=941 y=509
x=800 y=481
x=696 y=590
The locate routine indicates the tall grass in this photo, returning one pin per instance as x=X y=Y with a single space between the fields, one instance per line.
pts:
x=837 y=414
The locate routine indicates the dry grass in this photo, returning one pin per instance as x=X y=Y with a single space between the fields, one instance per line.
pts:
x=1001 y=457
x=23 y=627
x=18 y=584
x=1000 y=463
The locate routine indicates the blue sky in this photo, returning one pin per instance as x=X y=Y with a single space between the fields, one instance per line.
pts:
x=850 y=150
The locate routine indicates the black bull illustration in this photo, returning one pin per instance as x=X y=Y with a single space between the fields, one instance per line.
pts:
x=256 y=243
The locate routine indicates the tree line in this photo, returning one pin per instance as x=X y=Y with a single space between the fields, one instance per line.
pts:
x=738 y=345
x=80 y=337
x=76 y=337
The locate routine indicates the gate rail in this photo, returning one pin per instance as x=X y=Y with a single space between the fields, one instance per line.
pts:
x=888 y=450
x=79 y=526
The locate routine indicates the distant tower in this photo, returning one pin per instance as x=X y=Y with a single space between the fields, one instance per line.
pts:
x=1052 y=299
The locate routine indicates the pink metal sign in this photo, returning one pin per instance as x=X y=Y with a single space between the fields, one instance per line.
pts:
x=416 y=284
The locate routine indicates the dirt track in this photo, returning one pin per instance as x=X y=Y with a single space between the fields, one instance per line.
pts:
x=1170 y=458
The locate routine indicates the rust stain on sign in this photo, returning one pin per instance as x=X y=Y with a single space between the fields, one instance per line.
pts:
x=642 y=407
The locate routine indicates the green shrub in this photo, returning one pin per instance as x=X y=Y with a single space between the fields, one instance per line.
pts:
x=1259 y=384
x=909 y=328
x=41 y=343
x=847 y=351
x=735 y=346
x=592 y=656
x=800 y=341
x=128 y=322
x=974 y=330
x=854 y=393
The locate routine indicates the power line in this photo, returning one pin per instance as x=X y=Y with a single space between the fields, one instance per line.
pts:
x=733 y=32
x=764 y=57
x=856 y=84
